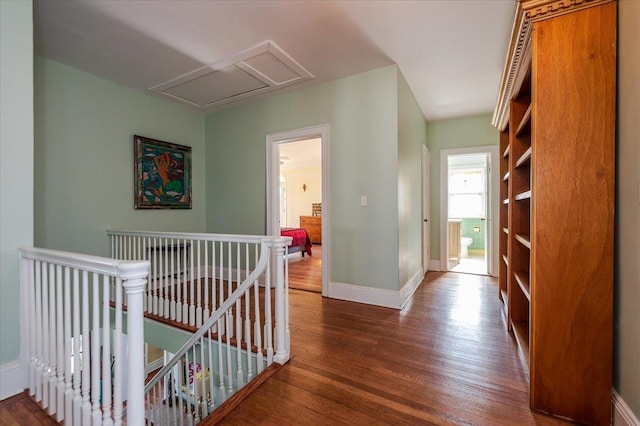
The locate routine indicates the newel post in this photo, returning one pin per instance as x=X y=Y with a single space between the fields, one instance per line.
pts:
x=134 y=278
x=282 y=349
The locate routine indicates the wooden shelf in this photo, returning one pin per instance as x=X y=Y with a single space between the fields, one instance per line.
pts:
x=523 y=196
x=526 y=119
x=524 y=158
x=505 y=154
x=522 y=278
x=505 y=201
x=505 y=230
x=505 y=259
x=524 y=240
x=521 y=332
x=505 y=177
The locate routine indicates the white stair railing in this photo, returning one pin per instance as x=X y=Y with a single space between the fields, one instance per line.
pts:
x=76 y=336
x=247 y=330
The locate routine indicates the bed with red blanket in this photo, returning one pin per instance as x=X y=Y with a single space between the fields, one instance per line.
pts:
x=301 y=241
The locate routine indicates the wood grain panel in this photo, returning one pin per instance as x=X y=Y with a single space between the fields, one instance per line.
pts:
x=572 y=213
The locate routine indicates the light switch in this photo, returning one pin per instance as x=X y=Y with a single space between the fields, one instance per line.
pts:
x=363 y=200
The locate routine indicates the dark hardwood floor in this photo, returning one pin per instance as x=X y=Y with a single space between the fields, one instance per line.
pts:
x=305 y=273
x=446 y=358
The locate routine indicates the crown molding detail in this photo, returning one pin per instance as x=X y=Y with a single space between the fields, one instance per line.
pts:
x=519 y=53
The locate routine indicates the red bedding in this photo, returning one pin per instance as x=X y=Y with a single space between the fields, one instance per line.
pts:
x=300 y=238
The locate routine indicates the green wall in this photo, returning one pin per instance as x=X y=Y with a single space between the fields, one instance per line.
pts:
x=362 y=113
x=16 y=171
x=84 y=131
x=467 y=231
x=412 y=133
x=448 y=134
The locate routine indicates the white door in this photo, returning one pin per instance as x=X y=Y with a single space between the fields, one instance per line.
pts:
x=426 y=210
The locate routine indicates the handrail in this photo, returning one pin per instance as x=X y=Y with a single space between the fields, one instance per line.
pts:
x=247 y=330
x=56 y=284
x=126 y=269
x=262 y=263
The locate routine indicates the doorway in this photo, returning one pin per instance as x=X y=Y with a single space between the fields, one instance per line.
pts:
x=298 y=195
x=468 y=199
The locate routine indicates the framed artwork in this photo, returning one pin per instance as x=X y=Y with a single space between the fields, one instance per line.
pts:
x=162 y=176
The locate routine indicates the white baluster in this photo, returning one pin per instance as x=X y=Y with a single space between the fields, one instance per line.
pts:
x=257 y=326
x=179 y=284
x=206 y=312
x=229 y=328
x=192 y=304
x=116 y=369
x=282 y=353
x=156 y=277
x=199 y=289
x=26 y=282
x=164 y=276
x=55 y=389
x=59 y=342
x=106 y=355
x=268 y=328
x=86 y=354
x=247 y=332
x=221 y=389
x=38 y=364
x=172 y=304
x=66 y=398
x=96 y=415
x=134 y=288
x=76 y=399
x=185 y=275
x=46 y=332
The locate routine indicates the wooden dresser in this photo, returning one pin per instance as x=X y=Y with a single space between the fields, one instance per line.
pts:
x=556 y=113
x=313 y=225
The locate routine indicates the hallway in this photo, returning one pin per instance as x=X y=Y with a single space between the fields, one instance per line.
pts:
x=446 y=358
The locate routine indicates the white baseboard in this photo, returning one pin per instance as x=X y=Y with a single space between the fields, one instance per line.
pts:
x=376 y=296
x=410 y=287
x=368 y=295
x=154 y=365
x=12 y=379
x=622 y=414
x=434 y=265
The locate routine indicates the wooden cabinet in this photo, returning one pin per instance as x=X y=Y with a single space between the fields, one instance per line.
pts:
x=556 y=114
x=455 y=233
x=313 y=225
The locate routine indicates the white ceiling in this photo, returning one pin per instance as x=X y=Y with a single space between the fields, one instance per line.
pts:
x=450 y=51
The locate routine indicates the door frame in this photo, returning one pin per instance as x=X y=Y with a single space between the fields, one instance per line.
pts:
x=273 y=184
x=426 y=208
x=493 y=201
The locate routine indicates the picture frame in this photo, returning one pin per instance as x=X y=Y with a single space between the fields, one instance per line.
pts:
x=162 y=175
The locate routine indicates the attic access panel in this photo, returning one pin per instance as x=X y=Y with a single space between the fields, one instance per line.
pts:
x=260 y=69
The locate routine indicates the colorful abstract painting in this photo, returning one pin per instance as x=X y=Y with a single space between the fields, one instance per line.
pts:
x=162 y=174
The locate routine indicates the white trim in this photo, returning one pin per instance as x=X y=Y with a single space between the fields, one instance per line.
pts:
x=273 y=184
x=622 y=414
x=411 y=286
x=154 y=365
x=377 y=296
x=368 y=295
x=434 y=265
x=12 y=379
x=492 y=205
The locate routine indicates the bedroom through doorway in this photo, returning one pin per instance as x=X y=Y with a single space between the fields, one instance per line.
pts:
x=297 y=189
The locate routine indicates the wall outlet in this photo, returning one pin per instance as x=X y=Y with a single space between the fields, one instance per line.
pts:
x=363 y=200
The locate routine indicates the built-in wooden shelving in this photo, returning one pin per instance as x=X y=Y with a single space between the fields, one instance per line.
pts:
x=548 y=150
x=524 y=158
x=524 y=240
x=522 y=278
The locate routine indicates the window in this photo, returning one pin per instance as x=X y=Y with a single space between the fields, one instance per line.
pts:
x=466 y=193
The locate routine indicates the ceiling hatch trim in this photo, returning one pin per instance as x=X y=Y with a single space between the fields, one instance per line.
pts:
x=259 y=69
